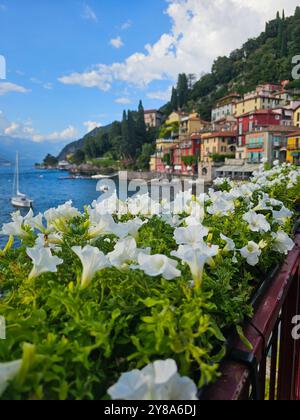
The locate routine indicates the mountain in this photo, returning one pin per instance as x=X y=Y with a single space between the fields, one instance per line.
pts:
x=71 y=148
x=29 y=151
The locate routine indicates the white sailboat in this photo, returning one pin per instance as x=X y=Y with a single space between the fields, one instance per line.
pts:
x=19 y=200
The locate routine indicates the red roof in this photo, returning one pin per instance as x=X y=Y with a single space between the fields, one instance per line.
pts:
x=222 y=134
x=295 y=133
x=259 y=112
x=151 y=111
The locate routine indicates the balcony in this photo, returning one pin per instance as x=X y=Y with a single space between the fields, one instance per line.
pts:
x=255 y=146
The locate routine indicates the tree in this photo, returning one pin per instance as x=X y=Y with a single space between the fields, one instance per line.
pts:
x=50 y=161
x=297 y=12
x=144 y=158
x=125 y=136
x=174 y=99
x=141 y=128
x=183 y=90
x=78 y=157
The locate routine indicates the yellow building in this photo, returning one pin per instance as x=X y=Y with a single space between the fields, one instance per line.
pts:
x=255 y=102
x=293 y=148
x=218 y=143
x=175 y=117
x=297 y=117
x=189 y=125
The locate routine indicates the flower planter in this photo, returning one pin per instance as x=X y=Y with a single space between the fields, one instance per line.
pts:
x=269 y=331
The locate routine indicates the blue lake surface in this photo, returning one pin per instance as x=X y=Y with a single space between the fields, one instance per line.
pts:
x=45 y=188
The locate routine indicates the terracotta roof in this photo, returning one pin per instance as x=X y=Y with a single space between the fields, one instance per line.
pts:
x=222 y=134
x=259 y=112
x=151 y=111
x=295 y=133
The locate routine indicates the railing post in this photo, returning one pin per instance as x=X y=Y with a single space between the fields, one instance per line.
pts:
x=289 y=348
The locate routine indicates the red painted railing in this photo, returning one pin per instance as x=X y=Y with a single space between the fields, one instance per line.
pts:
x=272 y=369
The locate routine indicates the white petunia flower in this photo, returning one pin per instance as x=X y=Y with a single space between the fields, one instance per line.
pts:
x=125 y=251
x=283 y=243
x=144 y=205
x=158 y=381
x=92 y=260
x=8 y=372
x=43 y=261
x=221 y=206
x=18 y=225
x=283 y=215
x=60 y=216
x=191 y=235
x=100 y=224
x=257 y=222
x=130 y=228
x=230 y=245
x=158 y=265
x=251 y=253
x=196 y=258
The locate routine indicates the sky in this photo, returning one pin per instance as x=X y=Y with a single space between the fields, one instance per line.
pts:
x=72 y=65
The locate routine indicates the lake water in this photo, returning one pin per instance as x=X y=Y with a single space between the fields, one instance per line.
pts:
x=45 y=188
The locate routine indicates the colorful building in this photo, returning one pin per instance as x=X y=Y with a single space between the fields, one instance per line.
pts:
x=222 y=143
x=225 y=107
x=189 y=125
x=159 y=161
x=293 y=148
x=251 y=122
x=267 y=143
x=153 y=118
x=297 y=117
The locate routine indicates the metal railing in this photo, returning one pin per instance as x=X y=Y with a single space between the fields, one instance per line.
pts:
x=271 y=371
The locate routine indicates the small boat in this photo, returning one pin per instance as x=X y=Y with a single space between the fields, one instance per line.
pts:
x=19 y=200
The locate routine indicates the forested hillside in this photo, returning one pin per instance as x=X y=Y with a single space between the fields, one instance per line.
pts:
x=267 y=58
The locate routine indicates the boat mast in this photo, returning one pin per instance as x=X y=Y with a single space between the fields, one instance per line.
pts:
x=17 y=174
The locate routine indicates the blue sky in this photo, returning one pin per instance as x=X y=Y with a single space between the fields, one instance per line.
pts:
x=73 y=64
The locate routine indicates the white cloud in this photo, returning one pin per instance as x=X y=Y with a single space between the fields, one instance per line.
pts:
x=8 y=87
x=90 y=79
x=161 y=95
x=68 y=133
x=89 y=14
x=123 y=101
x=116 y=42
x=27 y=131
x=91 y=125
x=200 y=31
x=126 y=25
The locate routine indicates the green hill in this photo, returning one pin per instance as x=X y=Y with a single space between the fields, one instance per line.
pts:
x=267 y=58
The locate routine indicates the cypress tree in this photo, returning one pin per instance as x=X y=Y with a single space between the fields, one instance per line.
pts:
x=132 y=146
x=174 y=99
x=125 y=135
x=141 y=129
x=183 y=90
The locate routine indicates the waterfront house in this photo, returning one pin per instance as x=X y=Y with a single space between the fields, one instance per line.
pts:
x=218 y=145
x=267 y=142
x=293 y=148
x=296 y=116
